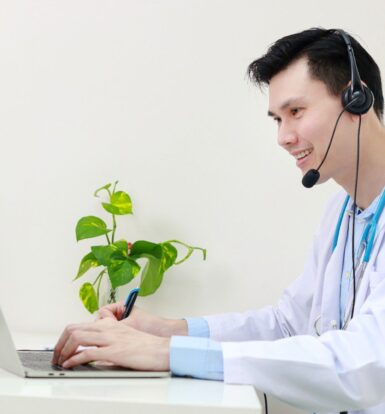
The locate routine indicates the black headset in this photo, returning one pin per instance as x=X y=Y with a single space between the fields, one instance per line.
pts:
x=357 y=99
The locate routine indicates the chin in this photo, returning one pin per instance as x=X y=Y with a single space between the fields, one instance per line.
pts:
x=323 y=179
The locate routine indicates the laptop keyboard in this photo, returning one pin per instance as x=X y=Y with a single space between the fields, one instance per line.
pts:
x=41 y=361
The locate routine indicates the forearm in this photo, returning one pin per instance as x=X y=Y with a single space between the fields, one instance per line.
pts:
x=171 y=327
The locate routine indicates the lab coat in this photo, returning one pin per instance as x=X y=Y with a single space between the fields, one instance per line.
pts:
x=277 y=350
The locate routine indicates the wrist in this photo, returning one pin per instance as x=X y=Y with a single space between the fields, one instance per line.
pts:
x=175 y=327
x=162 y=359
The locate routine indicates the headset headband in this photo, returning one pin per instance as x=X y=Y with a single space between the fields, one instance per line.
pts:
x=357 y=98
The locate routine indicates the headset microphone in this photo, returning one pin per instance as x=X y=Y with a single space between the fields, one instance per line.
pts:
x=357 y=99
x=310 y=178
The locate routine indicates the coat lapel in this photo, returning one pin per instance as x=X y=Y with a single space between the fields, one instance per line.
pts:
x=330 y=312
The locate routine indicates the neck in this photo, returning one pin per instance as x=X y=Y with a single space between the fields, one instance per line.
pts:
x=371 y=174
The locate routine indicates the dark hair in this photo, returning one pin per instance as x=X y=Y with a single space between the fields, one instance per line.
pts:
x=328 y=61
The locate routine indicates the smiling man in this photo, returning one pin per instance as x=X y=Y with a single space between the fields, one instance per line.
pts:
x=322 y=347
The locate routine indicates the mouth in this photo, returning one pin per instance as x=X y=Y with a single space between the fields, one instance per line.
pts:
x=302 y=157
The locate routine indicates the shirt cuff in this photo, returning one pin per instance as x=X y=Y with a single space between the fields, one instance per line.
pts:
x=198 y=327
x=196 y=357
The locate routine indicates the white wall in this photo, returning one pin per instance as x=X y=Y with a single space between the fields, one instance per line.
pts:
x=152 y=93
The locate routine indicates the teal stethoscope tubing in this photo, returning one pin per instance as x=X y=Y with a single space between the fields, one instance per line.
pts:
x=365 y=246
x=369 y=231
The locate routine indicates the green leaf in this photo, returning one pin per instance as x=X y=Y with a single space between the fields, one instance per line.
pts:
x=142 y=248
x=103 y=254
x=121 y=247
x=152 y=276
x=169 y=255
x=90 y=226
x=120 y=250
x=122 y=272
x=112 y=252
x=88 y=296
x=120 y=203
x=87 y=262
x=160 y=257
x=105 y=187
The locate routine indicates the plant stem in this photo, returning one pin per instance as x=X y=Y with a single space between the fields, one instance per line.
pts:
x=99 y=279
x=113 y=227
x=112 y=298
x=108 y=239
x=190 y=250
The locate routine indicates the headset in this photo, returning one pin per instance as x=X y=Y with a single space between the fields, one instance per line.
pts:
x=356 y=99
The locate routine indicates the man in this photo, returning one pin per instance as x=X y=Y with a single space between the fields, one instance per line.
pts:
x=307 y=350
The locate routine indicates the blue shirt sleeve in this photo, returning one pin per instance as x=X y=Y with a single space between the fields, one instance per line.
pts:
x=196 y=357
x=198 y=327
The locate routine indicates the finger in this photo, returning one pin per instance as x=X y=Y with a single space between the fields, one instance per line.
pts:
x=78 y=338
x=94 y=326
x=83 y=357
x=62 y=340
x=119 y=310
x=112 y=314
x=114 y=311
x=105 y=313
x=109 y=311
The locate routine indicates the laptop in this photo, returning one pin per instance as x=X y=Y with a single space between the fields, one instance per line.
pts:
x=37 y=364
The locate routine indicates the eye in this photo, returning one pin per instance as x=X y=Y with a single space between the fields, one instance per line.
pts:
x=295 y=111
x=277 y=120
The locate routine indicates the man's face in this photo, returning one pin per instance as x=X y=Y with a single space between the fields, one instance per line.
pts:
x=305 y=113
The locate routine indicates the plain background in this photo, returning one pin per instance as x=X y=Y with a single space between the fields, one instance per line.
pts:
x=153 y=94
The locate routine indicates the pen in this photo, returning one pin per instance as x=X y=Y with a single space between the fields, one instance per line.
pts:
x=130 y=301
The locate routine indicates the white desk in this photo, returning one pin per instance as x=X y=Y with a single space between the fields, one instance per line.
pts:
x=110 y=396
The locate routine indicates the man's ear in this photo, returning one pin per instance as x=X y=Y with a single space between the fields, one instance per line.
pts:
x=355 y=117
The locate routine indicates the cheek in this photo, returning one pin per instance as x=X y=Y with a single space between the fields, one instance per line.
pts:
x=315 y=131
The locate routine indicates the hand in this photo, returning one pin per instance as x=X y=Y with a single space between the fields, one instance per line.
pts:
x=144 y=321
x=115 y=343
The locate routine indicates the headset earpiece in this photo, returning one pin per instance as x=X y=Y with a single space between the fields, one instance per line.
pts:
x=357 y=98
x=357 y=102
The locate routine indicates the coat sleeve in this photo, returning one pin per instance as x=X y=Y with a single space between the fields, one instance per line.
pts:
x=340 y=370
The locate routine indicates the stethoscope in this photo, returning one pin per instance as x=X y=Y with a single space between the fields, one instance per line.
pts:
x=363 y=255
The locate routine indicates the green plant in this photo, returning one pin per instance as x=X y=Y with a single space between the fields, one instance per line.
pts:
x=119 y=258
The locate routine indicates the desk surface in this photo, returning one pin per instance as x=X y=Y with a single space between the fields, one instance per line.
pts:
x=149 y=395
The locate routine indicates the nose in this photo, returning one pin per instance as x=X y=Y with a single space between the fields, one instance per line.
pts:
x=287 y=138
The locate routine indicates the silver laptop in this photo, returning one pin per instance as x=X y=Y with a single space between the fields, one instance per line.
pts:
x=37 y=364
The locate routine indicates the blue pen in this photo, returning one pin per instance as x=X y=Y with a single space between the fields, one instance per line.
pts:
x=131 y=298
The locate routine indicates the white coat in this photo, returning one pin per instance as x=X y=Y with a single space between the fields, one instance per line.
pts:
x=277 y=350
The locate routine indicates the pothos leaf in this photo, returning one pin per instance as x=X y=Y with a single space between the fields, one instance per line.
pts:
x=88 y=296
x=111 y=252
x=169 y=255
x=122 y=272
x=90 y=226
x=120 y=203
x=87 y=262
x=152 y=276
